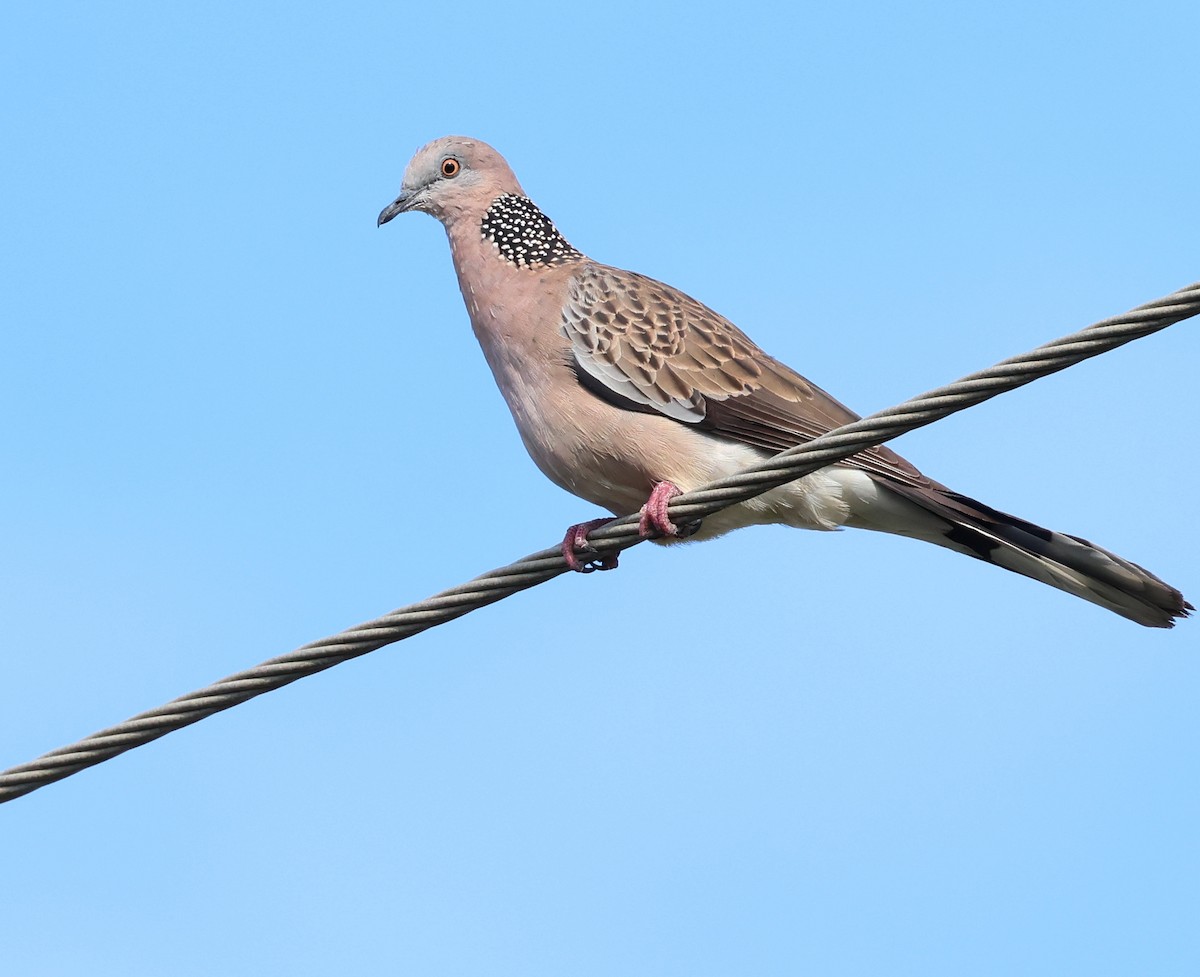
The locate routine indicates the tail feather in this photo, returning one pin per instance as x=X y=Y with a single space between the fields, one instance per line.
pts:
x=1069 y=563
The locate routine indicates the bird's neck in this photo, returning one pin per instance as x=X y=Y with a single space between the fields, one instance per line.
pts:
x=513 y=267
x=519 y=234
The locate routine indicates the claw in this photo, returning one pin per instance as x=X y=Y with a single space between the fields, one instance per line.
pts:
x=655 y=521
x=575 y=542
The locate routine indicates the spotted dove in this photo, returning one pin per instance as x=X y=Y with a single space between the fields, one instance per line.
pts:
x=626 y=392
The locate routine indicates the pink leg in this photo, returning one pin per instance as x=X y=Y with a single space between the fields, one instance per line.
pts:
x=655 y=521
x=575 y=543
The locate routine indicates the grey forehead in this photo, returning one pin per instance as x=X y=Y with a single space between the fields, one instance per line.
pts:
x=428 y=158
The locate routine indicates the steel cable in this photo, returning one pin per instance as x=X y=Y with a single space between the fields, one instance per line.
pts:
x=618 y=535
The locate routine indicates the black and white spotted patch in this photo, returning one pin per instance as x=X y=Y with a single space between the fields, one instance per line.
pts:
x=523 y=234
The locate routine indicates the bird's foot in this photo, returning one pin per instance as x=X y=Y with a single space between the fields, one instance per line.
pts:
x=654 y=520
x=575 y=544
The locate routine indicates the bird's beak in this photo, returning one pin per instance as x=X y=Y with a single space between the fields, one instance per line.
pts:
x=397 y=206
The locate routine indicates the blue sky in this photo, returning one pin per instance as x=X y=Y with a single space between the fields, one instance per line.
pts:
x=239 y=417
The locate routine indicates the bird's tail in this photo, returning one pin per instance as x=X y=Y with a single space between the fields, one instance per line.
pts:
x=1069 y=563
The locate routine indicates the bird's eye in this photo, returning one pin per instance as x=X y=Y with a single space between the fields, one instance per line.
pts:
x=450 y=166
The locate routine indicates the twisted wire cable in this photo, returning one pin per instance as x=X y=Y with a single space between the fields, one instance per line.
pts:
x=618 y=535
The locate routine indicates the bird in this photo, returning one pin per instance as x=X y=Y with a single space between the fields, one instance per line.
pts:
x=628 y=392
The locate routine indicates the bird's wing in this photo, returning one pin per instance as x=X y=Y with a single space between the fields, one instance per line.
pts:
x=647 y=346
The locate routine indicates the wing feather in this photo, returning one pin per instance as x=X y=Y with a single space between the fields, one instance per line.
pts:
x=653 y=347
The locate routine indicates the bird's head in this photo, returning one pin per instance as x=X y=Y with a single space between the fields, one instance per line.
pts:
x=452 y=176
